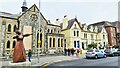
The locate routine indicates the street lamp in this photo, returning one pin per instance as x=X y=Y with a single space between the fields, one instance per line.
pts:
x=39 y=35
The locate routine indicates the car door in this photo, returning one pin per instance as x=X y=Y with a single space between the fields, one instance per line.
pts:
x=102 y=53
x=98 y=53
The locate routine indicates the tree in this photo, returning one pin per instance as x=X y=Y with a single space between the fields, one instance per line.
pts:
x=92 y=45
x=116 y=46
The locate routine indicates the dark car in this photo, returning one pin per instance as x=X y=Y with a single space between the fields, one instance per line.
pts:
x=111 y=52
x=118 y=51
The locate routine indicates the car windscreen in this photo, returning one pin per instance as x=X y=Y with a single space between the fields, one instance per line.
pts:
x=107 y=50
x=90 y=51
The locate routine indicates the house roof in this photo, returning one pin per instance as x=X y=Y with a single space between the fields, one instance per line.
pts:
x=9 y=15
x=70 y=23
x=53 y=25
x=108 y=24
x=100 y=29
x=114 y=23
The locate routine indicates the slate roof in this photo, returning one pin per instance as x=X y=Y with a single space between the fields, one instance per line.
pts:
x=8 y=15
x=100 y=29
x=70 y=23
x=107 y=24
x=114 y=23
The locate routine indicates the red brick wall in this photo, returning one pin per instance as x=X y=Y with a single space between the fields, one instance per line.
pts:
x=111 y=35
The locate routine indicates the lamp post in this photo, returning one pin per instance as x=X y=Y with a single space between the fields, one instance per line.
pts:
x=39 y=42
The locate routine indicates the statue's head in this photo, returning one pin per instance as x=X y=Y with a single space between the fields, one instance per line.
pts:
x=17 y=31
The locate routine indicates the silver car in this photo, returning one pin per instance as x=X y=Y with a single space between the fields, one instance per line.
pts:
x=95 y=53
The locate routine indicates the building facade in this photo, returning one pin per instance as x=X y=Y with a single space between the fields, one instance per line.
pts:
x=8 y=24
x=65 y=34
x=112 y=28
x=79 y=35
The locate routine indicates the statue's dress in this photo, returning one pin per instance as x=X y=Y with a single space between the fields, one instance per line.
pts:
x=19 y=54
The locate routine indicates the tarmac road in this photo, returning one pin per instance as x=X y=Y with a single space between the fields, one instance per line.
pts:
x=109 y=62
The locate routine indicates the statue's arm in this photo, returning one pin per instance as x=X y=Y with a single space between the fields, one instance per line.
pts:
x=26 y=35
x=15 y=37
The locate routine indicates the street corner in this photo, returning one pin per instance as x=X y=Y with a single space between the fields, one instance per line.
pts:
x=47 y=64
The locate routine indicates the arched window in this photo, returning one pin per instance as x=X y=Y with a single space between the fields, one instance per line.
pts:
x=74 y=33
x=14 y=44
x=8 y=44
x=53 y=42
x=74 y=44
x=61 y=42
x=77 y=33
x=58 y=42
x=50 y=41
x=9 y=28
x=41 y=39
x=103 y=36
x=48 y=30
x=14 y=28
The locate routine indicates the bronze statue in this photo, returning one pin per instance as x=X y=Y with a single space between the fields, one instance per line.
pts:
x=19 y=54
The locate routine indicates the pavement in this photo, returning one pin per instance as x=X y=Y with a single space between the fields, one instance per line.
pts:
x=46 y=60
x=49 y=60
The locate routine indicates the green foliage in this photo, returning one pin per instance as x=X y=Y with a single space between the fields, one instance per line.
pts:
x=116 y=46
x=93 y=45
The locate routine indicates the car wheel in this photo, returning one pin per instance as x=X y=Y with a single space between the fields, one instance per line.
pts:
x=104 y=56
x=96 y=57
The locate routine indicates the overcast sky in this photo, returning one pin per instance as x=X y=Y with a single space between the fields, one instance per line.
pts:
x=87 y=11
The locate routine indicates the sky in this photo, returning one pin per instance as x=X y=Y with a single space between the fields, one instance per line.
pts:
x=86 y=11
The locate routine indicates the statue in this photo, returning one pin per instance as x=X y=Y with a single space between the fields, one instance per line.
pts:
x=19 y=54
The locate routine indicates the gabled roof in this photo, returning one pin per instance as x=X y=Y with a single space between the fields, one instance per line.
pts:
x=37 y=9
x=70 y=23
x=83 y=25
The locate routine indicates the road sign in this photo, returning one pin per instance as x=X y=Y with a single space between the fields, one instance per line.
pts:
x=39 y=42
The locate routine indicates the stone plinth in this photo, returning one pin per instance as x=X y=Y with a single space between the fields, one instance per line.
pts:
x=27 y=63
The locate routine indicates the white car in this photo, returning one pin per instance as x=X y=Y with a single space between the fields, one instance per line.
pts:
x=95 y=53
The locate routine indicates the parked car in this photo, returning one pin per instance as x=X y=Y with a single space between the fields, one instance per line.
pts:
x=95 y=53
x=118 y=52
x=52 y=52
x=111 y=52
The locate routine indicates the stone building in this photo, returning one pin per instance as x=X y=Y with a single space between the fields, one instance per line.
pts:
x=8 y=24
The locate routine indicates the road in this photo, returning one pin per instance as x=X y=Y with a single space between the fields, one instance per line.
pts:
x=103 y=62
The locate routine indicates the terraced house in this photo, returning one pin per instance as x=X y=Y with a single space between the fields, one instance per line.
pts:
x=79 y=35
x=112 y=29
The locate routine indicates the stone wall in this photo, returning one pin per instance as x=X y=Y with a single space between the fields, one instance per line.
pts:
x=1 y=49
